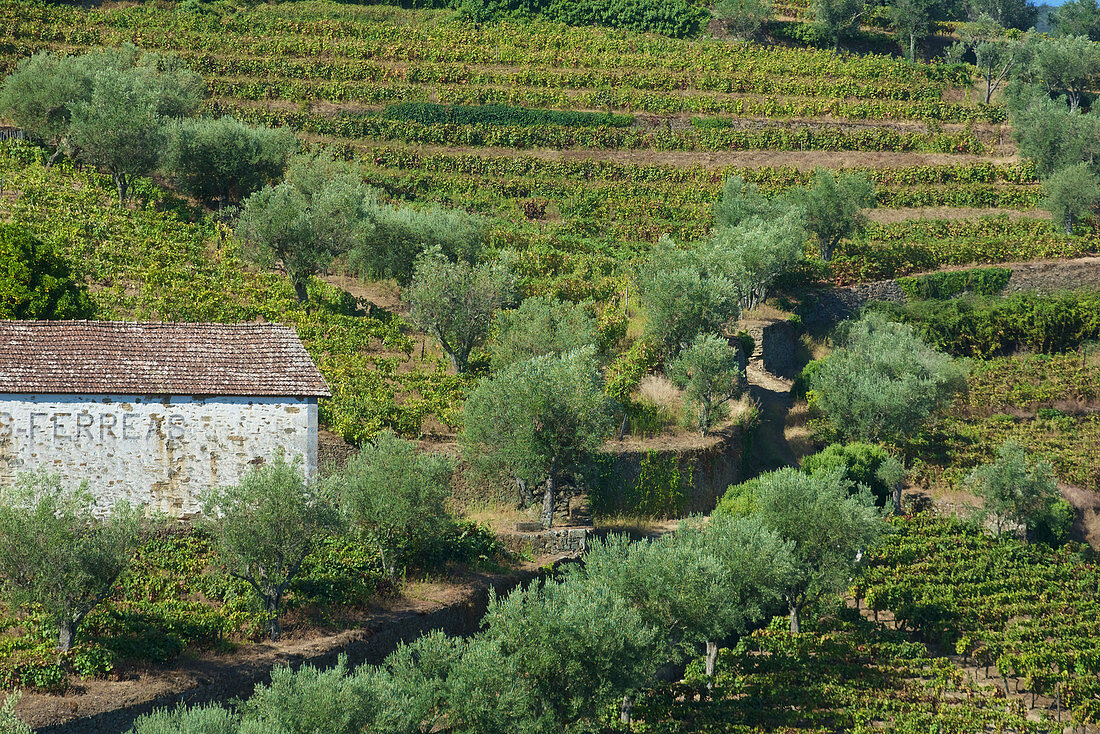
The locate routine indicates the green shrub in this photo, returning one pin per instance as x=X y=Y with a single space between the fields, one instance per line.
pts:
x=859 y=463
x=36 y=282
x=430 y=113
x=988 y=327
x=943 y=285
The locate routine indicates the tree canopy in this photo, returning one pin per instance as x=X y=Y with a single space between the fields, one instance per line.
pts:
x=36 y=282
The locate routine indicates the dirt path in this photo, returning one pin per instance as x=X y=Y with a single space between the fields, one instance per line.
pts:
x=769 y=449
x=111 y=706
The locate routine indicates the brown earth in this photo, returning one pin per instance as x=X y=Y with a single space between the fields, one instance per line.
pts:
x=110 y=706
x=902 y=214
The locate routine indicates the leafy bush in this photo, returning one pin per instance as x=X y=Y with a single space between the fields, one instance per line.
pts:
x=858 y=462
x=949 y=283
x=540 y=325
x=36 y=282
x=987 y=327
x=429 y=113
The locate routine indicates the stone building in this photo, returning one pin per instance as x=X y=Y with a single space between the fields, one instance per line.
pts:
x=154 y=413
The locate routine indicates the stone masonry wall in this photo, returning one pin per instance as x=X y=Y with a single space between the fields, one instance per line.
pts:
x=157 y=452
x=838 y=304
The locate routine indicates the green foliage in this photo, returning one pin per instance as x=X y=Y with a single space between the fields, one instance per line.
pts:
x=540 y=325
x=710 y=376
x=1071 y=193
x=223 y=160
x=686 y=291
x=1063 y=66
x=913 y=20
x=265 y=527
x=997 y=53
x=1013 y=489
x=305 y=221
x=210 y=719
x=836 y=19
x=950 y=283
x=661 y=489
x=538 y=421
x=824 y=522
x=9 y=722
x=884 y=382
x=55 y=553
x=1050 y=134
x=830 y=207
x=576 y=645
x=859 y=463
x=1077 y=18
x=988 y=327
x=455 y=302
x=310 y=700
x=35 y=282
x=398 y=235
x=396 y=497
x=1019 y=14
x=428 y=113
x=742 y=18
x=758 y=251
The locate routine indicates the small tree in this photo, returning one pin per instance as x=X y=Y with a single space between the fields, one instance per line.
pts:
x=455 y=302
x=826 y=524
x=9 y=722
x=1019 y=14
x=576 y=645
x=710 y=376
x=884 y=383
x=997 y=52
x=837 y=18
x=307 y=220
x=686 y=292
x=36 y=283
x=540 y=420
x=541 y=325
x=398 y=235
x=1068 y=66
x=1048 y=133
x=757 y=251
x=913 y=20
x=224 y=160
x=741 y=201
x=1013 y=489
x=396 y=496
x=38 y=95
x=742 y=18
x=265 y=526
x=1077 y=18
x=831 y=207
x=55 y=552
x=1071 y=193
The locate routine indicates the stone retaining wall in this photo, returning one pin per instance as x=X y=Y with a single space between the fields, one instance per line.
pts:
x=837 y=304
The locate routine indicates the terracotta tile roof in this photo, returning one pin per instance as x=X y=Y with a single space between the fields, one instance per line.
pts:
x=153 y=358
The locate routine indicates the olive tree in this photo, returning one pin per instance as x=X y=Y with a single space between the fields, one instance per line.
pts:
x=1063 y=66
x=1071 y=193
x=997 y=53
x=398 y=235
x=396 y=497
x=709 y=374
x=224 y=160
x=742 y=18
x=1013 y=489
x=455 y=302
x=303 y=223
x=837 y=18
x=1077 y=18
x=1049 y=134
x=539 y=420
x=831 y=207
x=823 y=520
x=757 y=251
x=686 y=291
x=884 y=383
x=60 y=551
x=266 y=525
x=540 y=325
x=913 y=20
x=1019 y=14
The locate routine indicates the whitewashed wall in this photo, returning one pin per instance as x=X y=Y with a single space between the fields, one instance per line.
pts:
x=154 y=451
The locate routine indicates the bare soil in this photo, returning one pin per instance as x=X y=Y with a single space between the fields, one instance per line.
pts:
x=367 y=635
x=902 y=214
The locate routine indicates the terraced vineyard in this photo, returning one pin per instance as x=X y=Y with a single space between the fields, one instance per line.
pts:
x=678 y=116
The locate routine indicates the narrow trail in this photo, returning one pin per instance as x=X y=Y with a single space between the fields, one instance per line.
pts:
x=769 y=449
